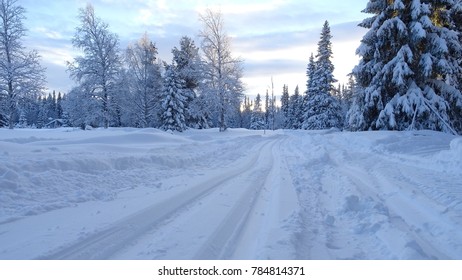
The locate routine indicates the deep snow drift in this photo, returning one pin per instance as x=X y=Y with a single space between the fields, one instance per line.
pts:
x=147 y=194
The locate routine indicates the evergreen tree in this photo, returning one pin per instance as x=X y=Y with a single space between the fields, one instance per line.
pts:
x=59 y=106
x=22 y=119
x=51 y=107
x=200 y=114
x=257 y=119
x=321 y=109
x=42 y=118
x=456 y=109
x=311 y=90
x=348 y=92
x=285 y=106
x=355 y=116
x=296 y=110
x=311 y=85
x=29 y=107
x=173 y=102
x=188 y=65
x=270 y=108
x=324 y=70
x=66 y=120
x=410 y=63
x=246 y=113
x=267 y=110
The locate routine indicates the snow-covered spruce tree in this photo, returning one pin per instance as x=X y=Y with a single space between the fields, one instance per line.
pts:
x=321 y=109
x=21 y=75
x=173 y=101
x=285 y=106
x=188 y=63
x=455 y=101
x=324 y=70
x=51 y=106
x=222 y=72
x=59 y=106
x=22 y=119
x=257 y=118
x=410 y=59
x=267 y=110
x=30 y=108
x=296 y=110
x=42 y=113
x=98 y=69
x=145 y=81
x=189 y=67
x=246 y=113
x=311 y=90
x=355 y=115
x=348 y=92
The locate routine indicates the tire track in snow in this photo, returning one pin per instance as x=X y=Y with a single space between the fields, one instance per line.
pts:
x=395 y=196
x=240 y=232
x=360 y=205
x=309 y=164
x=109 y=241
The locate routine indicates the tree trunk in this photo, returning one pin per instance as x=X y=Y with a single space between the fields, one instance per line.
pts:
x=11 y=106
x=223 y=126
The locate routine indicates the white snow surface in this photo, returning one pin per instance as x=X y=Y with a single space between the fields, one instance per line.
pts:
x=148 y=194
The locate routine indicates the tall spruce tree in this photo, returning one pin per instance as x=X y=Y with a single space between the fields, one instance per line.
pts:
x=285 y=106
x=410 y=63
x=456 y=109
x=321 y=109
x=59 y=106
x=257 y=118
x=246 y=114
x=296 y=110
x=189 y=67
x=324 y=70
x=173 y=102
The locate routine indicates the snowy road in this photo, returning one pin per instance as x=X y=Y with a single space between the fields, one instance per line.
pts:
x=226 y=200
x=365 y=202
x=145 y=194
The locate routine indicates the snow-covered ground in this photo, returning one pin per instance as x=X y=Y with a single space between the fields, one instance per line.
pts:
x=147 y=194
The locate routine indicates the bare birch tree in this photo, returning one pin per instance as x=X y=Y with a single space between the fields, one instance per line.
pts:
x=223 y=71
x=21 y=74
x=100 y=64
x=146 y=80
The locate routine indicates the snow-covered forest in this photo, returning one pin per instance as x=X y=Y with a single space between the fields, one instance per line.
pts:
x=408 y=77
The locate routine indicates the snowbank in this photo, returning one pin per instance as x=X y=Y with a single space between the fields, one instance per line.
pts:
x=47 y=169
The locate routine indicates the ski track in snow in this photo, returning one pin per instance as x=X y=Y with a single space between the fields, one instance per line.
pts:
x=146 y=194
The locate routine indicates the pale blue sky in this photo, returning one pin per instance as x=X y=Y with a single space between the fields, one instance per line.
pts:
x=274 y=37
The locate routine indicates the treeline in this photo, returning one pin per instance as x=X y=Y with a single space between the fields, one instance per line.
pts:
x=199 y=88
x=409 y=77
